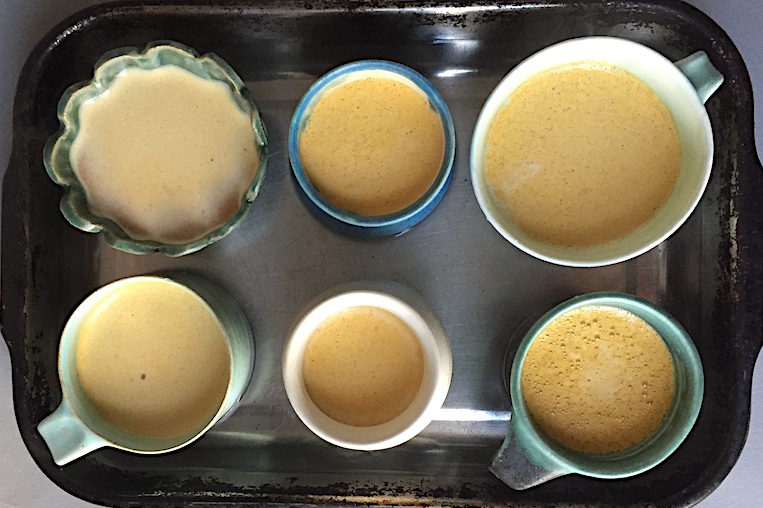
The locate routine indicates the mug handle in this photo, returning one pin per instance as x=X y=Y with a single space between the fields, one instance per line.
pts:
x=517 y=466
x=67 y=437
x=702 y=74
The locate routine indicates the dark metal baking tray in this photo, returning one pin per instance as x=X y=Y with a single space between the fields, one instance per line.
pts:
x=708 y=275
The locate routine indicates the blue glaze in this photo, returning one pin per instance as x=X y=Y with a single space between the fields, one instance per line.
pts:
x=380 y=225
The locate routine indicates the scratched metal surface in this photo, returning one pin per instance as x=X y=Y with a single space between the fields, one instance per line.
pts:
x=281 y=257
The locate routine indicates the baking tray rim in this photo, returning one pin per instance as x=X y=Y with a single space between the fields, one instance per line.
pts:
x=745 y=238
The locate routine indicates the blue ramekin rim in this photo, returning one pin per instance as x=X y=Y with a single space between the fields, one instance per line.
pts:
x=412 y=214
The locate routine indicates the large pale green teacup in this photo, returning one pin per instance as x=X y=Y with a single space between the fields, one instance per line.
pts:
x=683 y=86
x=529 y=457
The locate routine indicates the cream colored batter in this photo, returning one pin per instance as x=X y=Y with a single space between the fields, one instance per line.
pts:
x=582 y=155
x=153 y=359
x=363 y=366
x=372 y=146
x=165 y=154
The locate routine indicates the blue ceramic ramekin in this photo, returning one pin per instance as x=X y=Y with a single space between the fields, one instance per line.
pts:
x=379 y=225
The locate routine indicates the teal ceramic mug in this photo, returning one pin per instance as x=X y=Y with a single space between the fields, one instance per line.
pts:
x=76 y=428
x=529 y=457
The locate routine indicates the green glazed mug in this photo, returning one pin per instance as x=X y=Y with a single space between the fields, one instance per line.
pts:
x=529 y=457
x=75 y=428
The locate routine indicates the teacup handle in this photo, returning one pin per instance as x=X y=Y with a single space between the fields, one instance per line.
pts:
x=520 y=465
x=701 y=73
x=67 y=437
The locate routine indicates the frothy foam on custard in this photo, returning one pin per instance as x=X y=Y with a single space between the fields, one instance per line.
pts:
x=598 y=379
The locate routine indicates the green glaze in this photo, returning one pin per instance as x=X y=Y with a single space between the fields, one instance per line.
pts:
x=529 y=457
x=703 y=76
x=75 y=428
x=74 y=204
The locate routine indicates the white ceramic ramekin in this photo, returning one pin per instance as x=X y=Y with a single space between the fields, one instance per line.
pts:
x=406 y=305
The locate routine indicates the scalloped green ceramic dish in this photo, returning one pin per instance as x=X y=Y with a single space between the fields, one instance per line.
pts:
x=74 y=204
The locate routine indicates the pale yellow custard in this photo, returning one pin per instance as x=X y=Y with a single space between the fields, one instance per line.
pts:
x=165 y=154
x=372 y=146
x=582 y=155
x=363 y=366
x=153 y=359
x=598 y=379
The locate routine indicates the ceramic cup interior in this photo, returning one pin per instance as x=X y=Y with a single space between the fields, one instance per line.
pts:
x=684 y=99
x=529 y=456
x=431 y=394
x=381 y=225
x=76 y=427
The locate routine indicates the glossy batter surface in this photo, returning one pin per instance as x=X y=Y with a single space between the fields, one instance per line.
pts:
x=153 y=360
x=165 y=154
